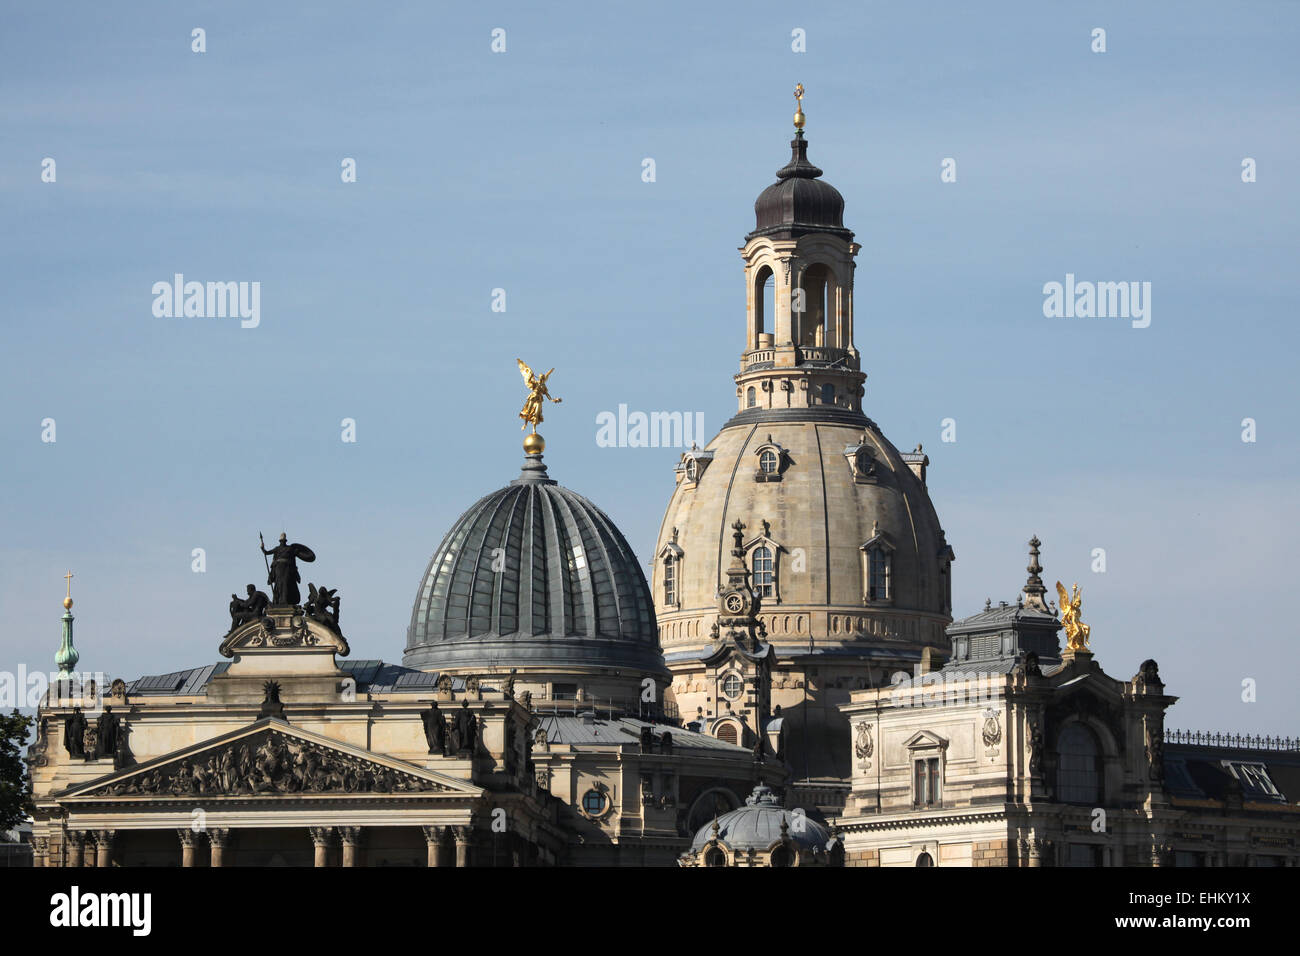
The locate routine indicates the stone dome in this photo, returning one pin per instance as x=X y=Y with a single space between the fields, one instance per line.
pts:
x=799 y=202
x=840 y=489
x=758 y=824
x=534 y=576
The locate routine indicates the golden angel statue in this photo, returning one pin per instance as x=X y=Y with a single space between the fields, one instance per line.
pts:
x=532 y=410
x=1076 y=632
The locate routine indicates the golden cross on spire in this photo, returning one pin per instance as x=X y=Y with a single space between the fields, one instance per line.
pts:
x=798 y=113
x=67 y=601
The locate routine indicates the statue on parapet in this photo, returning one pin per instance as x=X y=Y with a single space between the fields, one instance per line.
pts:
x=282 y=571
x=322 y=605
x=252 y=608
x=435 y=729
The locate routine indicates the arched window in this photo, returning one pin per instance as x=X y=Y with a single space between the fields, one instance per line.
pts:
x=715 y=857
x=1078 y=775
x=782 y=856
x=828 y=394
x=751 y=397
x=764 y=298
x=727 y=733
x=670 y=580
x=762 y=565
x=925 y=859
x=768 y=462
x=692 y=470
x=878 y=576
x=812 y=321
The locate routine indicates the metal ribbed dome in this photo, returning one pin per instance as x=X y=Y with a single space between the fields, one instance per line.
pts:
x=757 y=825
x=799 y=202
x=534 y=575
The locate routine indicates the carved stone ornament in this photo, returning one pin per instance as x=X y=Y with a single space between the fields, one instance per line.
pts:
x=992 y=733
x=265 y=764
x=1035 y=745
x=864 y=747
x=283 y=631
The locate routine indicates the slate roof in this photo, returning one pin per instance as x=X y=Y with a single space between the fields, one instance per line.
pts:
x=565 y=729
x=1204 y=772
x=372 y=676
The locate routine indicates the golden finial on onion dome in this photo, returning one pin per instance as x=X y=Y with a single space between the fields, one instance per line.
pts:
x=799 y=118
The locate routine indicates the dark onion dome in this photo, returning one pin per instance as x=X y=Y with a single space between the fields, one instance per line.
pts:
x=534 y=576
x=799 y=202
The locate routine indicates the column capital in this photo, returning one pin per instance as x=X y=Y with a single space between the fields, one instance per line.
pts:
x=219 y=837
x=463 y=834
x=322 y=836
x=351 y=835
x=434 y=835
x=105 y=837
x=187 y=836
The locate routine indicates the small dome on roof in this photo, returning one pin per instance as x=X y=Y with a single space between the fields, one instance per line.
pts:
x=761 y=822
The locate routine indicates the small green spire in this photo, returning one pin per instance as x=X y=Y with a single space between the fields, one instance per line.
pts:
x=67 y=657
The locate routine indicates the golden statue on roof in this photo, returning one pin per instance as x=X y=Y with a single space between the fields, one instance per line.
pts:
x=537 y=392
x=1076 y=632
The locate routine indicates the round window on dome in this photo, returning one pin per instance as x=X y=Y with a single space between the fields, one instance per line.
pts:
x=593 y=802
x=767 y=462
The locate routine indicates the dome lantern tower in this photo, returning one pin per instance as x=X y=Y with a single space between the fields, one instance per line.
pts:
x=799 y=265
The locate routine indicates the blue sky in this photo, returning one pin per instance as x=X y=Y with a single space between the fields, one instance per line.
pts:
x=522 y=171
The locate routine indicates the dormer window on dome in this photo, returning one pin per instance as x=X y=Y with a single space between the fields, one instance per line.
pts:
x=772 y=461
x=877 y=567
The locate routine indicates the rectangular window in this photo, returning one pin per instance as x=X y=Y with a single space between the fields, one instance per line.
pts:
x=763 y=578
x=927 y=784
x=877 y=575
x=564 y=691
x=670 y=581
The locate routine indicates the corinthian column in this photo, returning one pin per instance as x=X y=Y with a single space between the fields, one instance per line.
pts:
x=188 y=838
x=351 y=840
x=433 y=838
x=104 y=844
x=76 y=844
x=219 y=838
x=321 y=838
x=464 y=836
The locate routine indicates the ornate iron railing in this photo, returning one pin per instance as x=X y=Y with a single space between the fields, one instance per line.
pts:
x=1239 y=741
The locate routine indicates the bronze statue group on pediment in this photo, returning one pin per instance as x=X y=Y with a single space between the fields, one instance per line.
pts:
x=283 y=577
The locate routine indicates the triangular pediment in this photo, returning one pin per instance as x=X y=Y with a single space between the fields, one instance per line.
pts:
x=925 y=740
x=270 y=759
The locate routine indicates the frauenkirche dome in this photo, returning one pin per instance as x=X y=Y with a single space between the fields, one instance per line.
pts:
x=840 y=545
